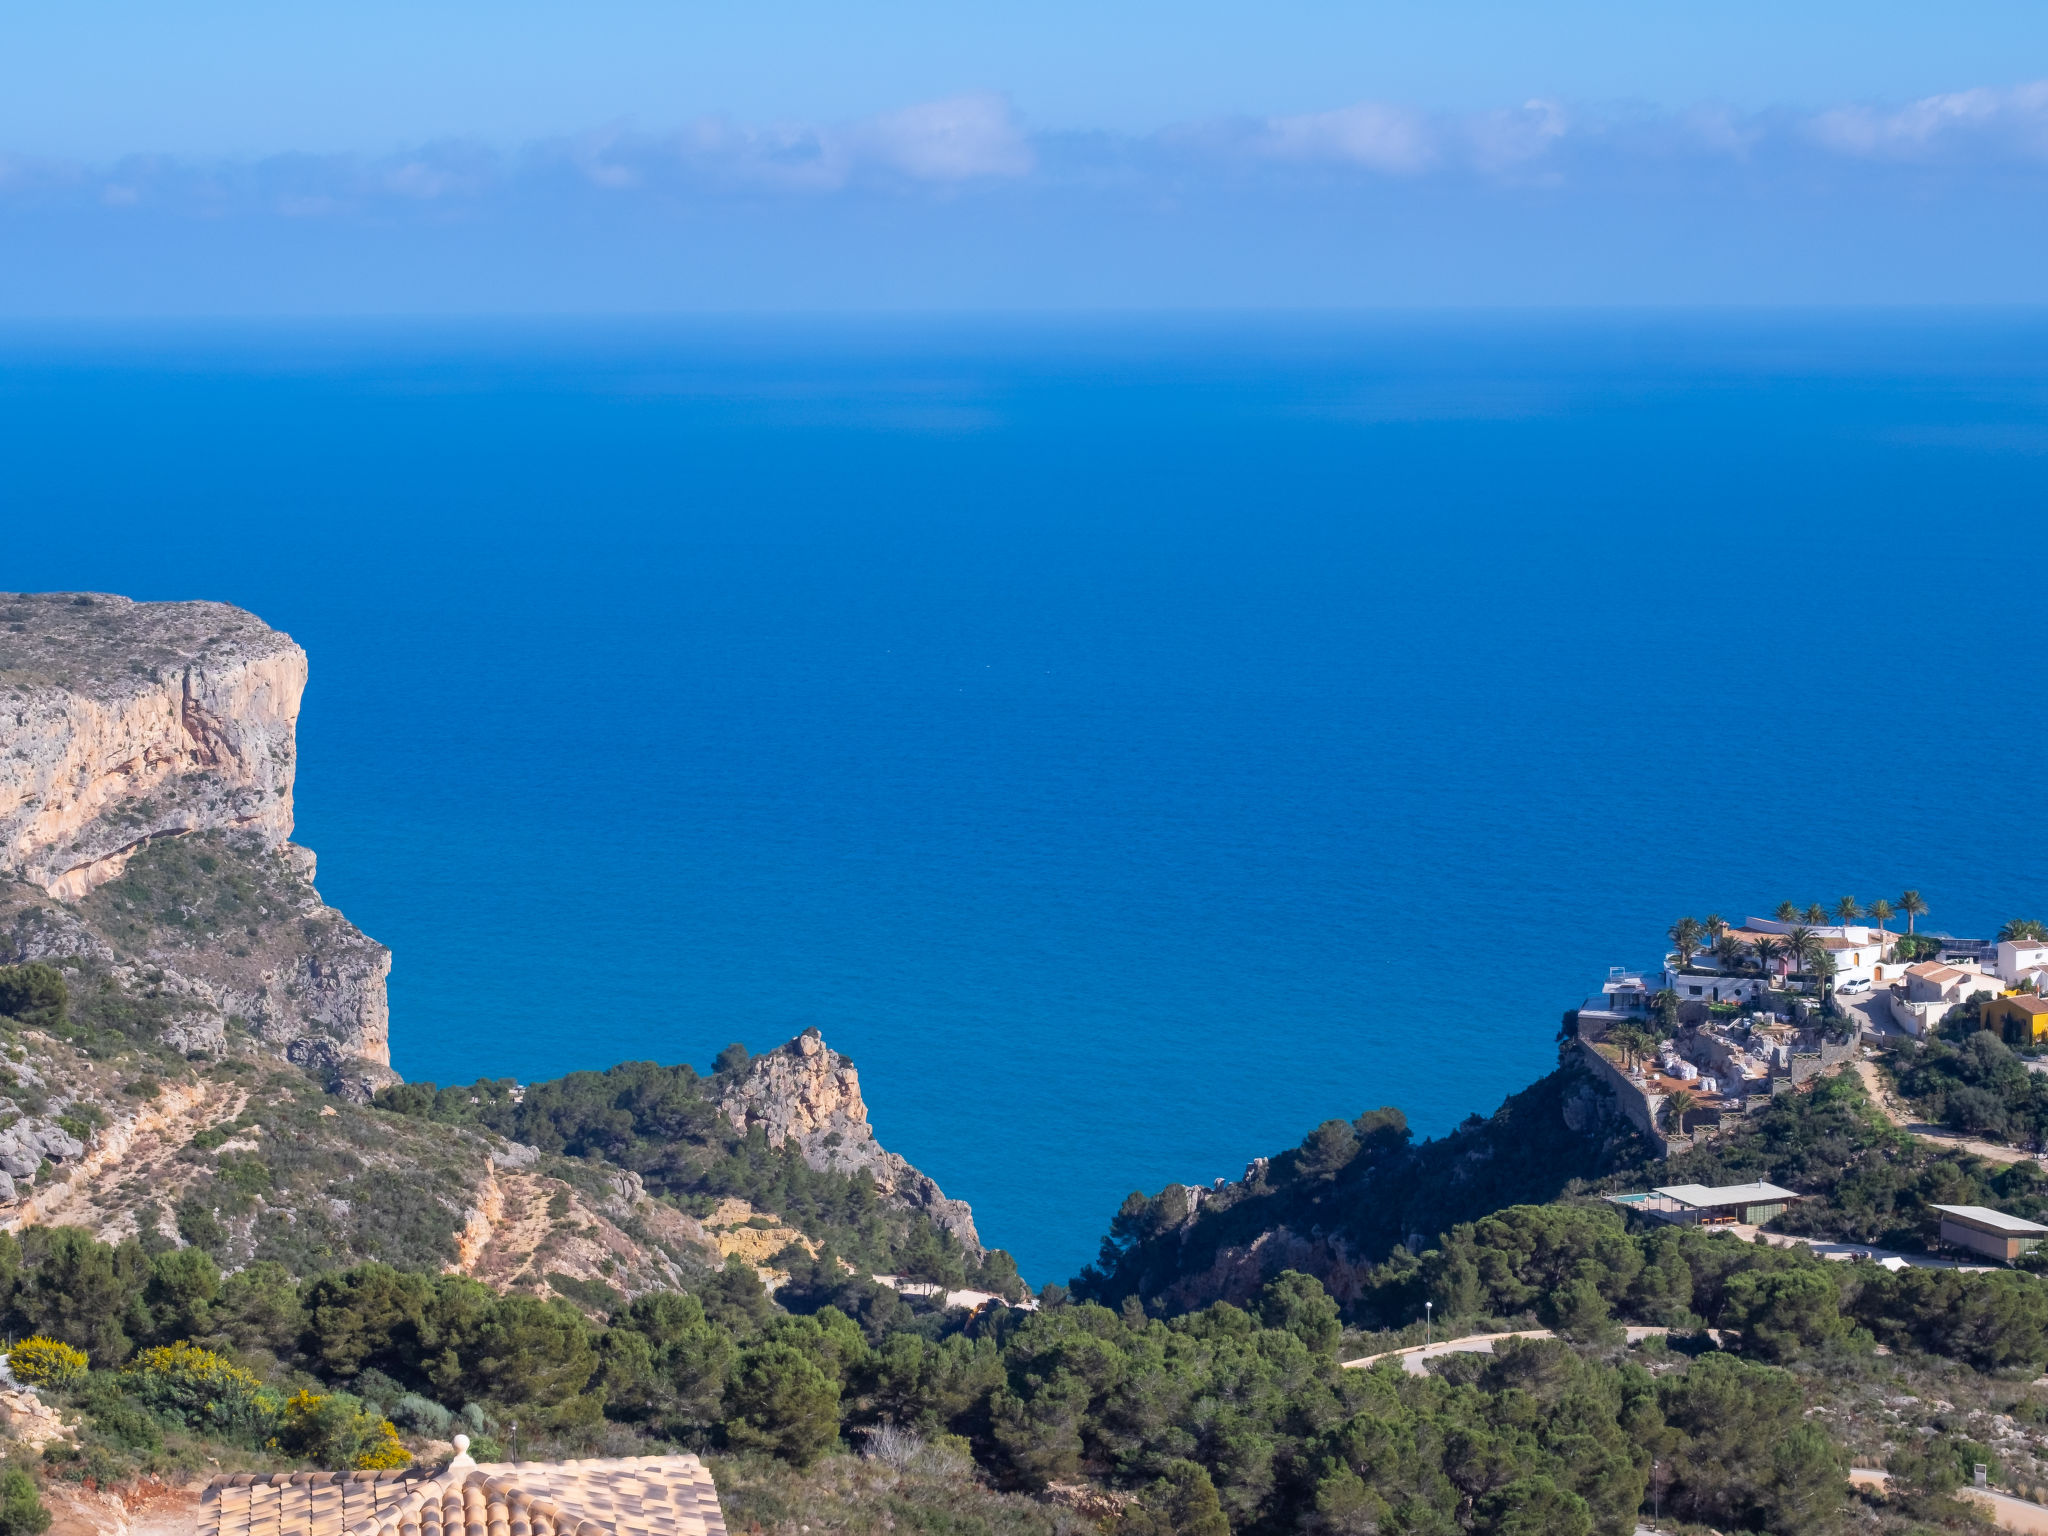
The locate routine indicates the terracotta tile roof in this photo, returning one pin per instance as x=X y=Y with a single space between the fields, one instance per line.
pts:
x=1935 y=971
x=631 y=1496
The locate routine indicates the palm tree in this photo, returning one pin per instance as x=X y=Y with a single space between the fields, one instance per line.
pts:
x=1798 y=945
x=1815 y=915
x=1633 y=1040
x=1764 y=951
x=1787 y=913
x=1679 y=1105
x=1880 y=914
x=1716 y=926
x=2024 y=928
x=1822 y=962
x=1665 y=1002
x=1913 y=907
x=1686 y=934
x=1847 y=911
x=1731 y=952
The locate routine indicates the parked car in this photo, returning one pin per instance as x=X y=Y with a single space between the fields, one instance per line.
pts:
x=1854 y=984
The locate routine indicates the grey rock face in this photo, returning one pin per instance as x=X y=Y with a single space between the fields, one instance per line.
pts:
x=807 y=1092
x=27 y=1144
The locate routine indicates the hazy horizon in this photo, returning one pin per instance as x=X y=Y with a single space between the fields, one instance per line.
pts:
x=631 y=158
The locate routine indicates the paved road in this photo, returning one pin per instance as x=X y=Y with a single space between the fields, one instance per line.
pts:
x=1414 y=1355
x=1873 y=1013
x=2011 y=1513
x=1828 y=1248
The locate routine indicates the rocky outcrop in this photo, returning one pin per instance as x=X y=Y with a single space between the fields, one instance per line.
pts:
x=124 y=722
x=808 y=1093
x=147 y=753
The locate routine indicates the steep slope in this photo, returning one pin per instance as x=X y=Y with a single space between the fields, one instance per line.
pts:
x=1352 y=1192
x=783 y=1137
x=251 y=1160
x=147 y=757
x=808 y=1094
x=131 y=721
x=174 y=997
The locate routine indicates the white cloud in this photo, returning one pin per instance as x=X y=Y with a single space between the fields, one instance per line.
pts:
x=2011 y=120
x=1504 y=141
x=1370 y=133
x=938 y=146
x=962 y=138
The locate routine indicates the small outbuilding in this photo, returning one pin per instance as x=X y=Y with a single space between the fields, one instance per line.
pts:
x=1991 y=1233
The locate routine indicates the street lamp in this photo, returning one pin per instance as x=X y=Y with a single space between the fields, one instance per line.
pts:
x=1428 y=1317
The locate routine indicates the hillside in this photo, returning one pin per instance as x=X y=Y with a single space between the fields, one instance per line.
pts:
x=195 y=1037
x=1352 y=1192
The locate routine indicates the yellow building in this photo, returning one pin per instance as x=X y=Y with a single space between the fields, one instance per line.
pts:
x=2019 y=1019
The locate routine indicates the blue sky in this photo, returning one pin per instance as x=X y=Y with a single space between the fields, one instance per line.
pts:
x=619 y=155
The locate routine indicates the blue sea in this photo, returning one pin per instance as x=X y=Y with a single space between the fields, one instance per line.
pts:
x=1133 y=741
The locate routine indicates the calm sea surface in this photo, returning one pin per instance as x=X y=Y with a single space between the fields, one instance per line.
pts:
x=1132 y=742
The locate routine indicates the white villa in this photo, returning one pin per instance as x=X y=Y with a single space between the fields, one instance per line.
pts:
x=1932 y=989
x=2017 y=957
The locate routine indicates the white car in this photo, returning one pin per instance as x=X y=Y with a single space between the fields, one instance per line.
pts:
x=1855 y=984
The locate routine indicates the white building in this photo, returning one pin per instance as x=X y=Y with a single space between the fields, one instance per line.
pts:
x=2018 y=956
x=1931 y=989
x=1710 y=988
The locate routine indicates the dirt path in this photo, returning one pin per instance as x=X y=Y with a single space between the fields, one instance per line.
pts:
x=1881 y=1096
x=2010 y=1513
x=133 y=1162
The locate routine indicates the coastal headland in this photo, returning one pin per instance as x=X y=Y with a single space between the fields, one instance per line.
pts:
x=236 y=1242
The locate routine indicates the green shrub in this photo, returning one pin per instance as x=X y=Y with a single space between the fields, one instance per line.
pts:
x=21 y=1507
x=34 y=993
x=779 y=1401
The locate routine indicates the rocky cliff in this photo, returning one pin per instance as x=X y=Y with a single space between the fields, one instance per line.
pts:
x=147 y=754
x=125 y=722
x=808 y=1093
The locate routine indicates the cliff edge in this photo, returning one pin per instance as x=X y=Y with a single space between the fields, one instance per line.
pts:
x=127 y=721
x=808 y=1093
x=147 y=758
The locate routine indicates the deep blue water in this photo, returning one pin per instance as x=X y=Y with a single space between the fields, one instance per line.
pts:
x=1132 y=742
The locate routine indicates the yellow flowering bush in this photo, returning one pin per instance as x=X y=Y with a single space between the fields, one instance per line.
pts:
x=341 y=1432
x=44 y=1362
x=203 y=1388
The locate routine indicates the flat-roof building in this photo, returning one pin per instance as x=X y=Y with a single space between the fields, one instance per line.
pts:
x=1992 y=1233
x=1697 y=1205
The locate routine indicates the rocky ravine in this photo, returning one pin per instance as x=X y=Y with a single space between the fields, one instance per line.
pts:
x=807 y=1092
x=147 y=755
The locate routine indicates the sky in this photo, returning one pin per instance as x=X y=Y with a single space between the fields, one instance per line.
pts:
x=621 y=156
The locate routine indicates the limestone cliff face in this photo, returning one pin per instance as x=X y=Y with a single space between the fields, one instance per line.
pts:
x=128 y=721
x=147 y=754
x=807 y=1092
